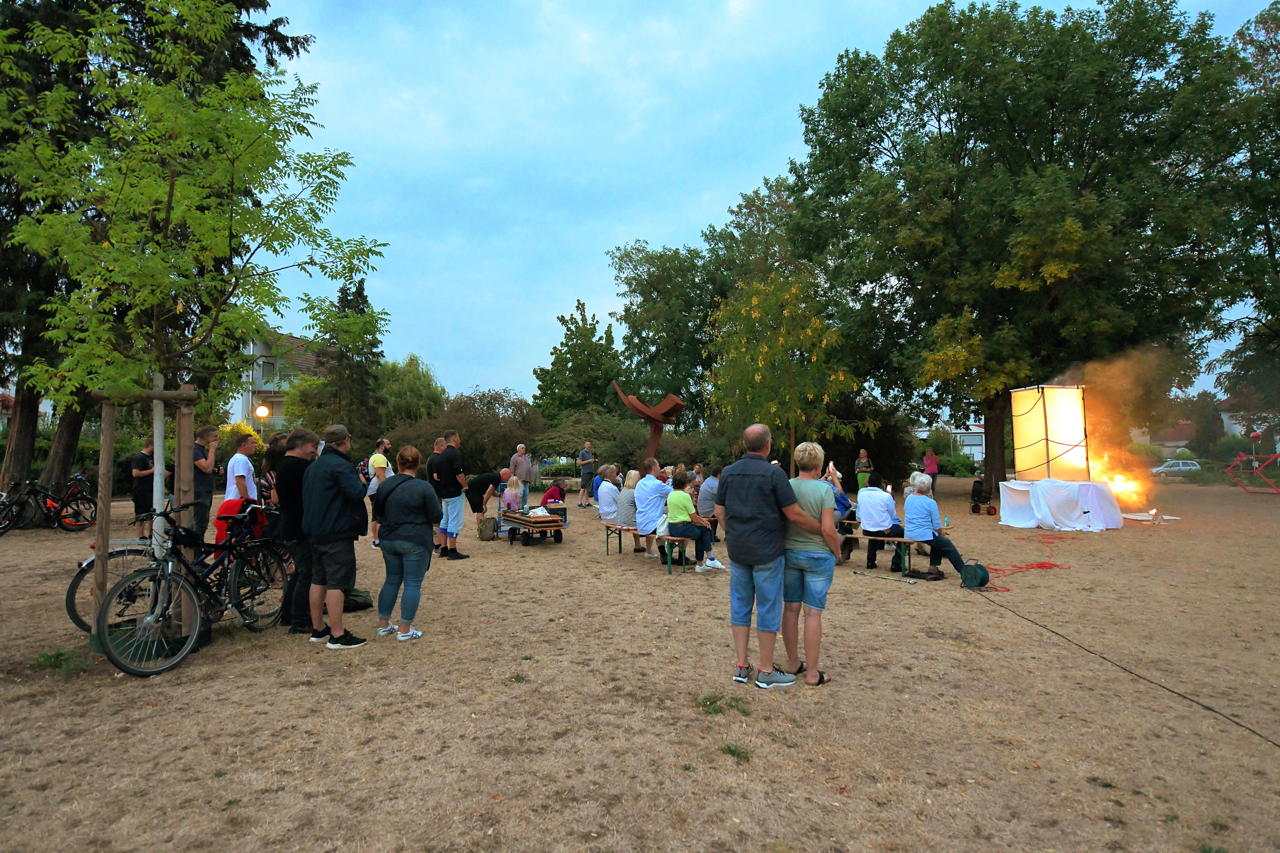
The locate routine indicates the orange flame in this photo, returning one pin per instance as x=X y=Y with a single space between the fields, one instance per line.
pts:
x=1130 y=483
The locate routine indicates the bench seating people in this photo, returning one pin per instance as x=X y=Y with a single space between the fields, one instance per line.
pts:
x=879 y=517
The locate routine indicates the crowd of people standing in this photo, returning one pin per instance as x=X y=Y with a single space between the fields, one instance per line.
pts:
x=782 y=533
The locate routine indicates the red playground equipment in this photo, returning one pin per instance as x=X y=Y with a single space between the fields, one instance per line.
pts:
x=1250 y=472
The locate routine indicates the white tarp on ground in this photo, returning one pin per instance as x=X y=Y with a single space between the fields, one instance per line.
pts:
x=1059 y=505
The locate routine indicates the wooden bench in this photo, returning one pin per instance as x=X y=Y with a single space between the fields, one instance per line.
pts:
x=902 y=545
x=678 y=542
x=611 y=529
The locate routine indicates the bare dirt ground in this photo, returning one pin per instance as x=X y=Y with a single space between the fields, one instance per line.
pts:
x=554 y=704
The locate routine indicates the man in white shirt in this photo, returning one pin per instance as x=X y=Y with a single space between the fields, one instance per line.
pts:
x=240 y=480
x=651 y=504
x=879 y=516
x=607 y=497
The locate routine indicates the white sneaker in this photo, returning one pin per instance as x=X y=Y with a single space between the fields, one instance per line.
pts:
x=713 y=563
x=413 y=634
x=387 y=631
x=705 y=567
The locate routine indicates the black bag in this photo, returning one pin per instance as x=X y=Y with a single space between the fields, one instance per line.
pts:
x=356 y=599
x=974 y=575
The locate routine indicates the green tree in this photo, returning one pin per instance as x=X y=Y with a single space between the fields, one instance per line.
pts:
x=491 y=422
x=776 y=361
x=164 y=216
x=1006 y=192
x=30 y=73
x=346 y=336
x=1249 y=372
x=670 y=295
x=1202 y=410
x=583 y=367
x=410 y=391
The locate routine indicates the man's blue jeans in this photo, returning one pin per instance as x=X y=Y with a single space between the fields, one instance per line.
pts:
x=759 y=584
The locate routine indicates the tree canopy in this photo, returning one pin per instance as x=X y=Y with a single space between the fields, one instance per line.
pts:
x=583 y=367
x=172 y=216
x=1006 y=192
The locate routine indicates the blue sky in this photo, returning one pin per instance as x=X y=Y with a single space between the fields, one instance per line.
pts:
x=502 y=148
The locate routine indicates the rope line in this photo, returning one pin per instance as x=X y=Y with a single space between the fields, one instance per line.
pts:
x=1137 y=675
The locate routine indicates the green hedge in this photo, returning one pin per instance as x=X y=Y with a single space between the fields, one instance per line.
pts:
x=956 y=465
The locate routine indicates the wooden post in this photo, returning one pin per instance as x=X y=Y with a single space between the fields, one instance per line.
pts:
x=102 y=546
x=184 y=489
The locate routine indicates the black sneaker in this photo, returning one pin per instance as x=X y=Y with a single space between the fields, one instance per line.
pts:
x=348 y=640
x=454 y=555
x=321 y=635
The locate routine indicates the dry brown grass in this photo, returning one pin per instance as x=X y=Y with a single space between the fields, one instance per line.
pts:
x=554 y=705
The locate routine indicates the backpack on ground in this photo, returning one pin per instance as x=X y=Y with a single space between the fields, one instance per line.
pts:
x=356 y=599
x=974 y=575
x=488 y=529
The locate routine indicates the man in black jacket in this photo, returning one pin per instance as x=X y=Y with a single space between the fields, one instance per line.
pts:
x=299 y=452
x=333 y=518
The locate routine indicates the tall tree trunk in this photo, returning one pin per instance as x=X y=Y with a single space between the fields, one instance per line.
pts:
x=66 y=440
x=21 y=447
x=995 y=411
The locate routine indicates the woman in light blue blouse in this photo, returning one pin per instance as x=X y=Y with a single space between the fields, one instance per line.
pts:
x=923 y=524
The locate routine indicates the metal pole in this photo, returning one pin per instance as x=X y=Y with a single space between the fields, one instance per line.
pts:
x=157 y=481
x=1084 y=426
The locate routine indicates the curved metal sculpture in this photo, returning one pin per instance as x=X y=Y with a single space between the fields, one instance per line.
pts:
x=656 y=417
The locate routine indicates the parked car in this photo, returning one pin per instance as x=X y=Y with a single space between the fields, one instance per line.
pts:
x=1175 y=468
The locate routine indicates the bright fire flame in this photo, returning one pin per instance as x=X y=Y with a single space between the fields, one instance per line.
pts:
x=1129 y=483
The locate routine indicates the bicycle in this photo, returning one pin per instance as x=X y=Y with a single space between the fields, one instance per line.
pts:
x=151 y=619
x=74 y=510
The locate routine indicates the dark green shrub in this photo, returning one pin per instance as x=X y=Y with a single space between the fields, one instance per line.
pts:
x=1226 y=448
x=956 y=465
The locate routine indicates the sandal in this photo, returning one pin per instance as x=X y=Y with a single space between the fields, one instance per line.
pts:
x=800 y=670
x=822 y=679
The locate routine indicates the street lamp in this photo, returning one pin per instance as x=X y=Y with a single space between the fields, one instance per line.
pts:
x=262 y=411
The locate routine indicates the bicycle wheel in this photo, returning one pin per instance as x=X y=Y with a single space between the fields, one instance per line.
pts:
x=82 y=605
x=78 y=514
x=141 y=624
x=257 y=583
x=9 y=513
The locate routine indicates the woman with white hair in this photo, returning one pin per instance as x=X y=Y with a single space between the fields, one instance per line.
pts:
x=923 y=524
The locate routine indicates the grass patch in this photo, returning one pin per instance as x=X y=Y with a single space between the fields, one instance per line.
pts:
x=1171 y=818
x=1113 y=820
x=518 y=678
x=740 y=753
x=62 y=661
x=1209 y=848
x=687 y=768
x=218 y=774
x=1219 y=826
x=1101 y=783
x=716 y=703
x=527 y=657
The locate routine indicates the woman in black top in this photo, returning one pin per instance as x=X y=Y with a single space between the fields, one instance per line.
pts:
x=406 y=509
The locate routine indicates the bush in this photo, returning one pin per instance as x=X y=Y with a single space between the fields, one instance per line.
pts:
x=559 y=469
x=229 y=436
x=1207 y=476
x=1149 y=453
x=956 y=465
x=1226 y=448
x=1183 y=453
x=490 y=422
